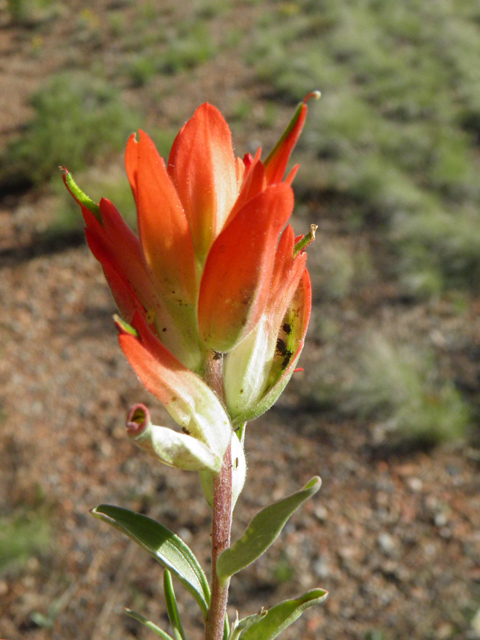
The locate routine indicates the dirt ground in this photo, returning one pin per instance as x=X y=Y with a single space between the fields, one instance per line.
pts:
x=394 y=535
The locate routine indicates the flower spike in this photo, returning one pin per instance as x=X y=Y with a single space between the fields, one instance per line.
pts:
x=215 y=300
x=216 y=272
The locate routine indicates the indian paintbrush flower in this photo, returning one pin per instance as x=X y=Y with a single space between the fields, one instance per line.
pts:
x=215 y=274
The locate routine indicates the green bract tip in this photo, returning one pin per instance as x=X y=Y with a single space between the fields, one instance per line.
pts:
x=78 y=194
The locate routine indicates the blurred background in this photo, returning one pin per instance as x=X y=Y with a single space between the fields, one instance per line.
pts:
x=387 y=408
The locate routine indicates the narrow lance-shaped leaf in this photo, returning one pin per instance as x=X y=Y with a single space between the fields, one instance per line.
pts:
x=282 y=616
x=172 y=607
x=262 y=531
x=163 y=545
x=149 y=624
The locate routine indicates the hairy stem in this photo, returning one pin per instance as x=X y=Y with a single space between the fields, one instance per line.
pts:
x=221 y=516
x=221 y=527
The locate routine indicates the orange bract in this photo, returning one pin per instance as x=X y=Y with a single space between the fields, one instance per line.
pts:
x=202 y=168
x=239 y=268
x=162 y=223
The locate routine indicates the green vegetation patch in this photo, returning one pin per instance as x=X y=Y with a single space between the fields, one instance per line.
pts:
x=20 y=539
x=188 y=46
x=28 y=13
x=400 y=387
x=77 y=119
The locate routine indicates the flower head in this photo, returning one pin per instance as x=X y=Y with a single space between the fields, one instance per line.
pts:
x=215 y=272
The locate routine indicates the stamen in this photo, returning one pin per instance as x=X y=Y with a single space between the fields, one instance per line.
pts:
x=316 y=95
x=305 y=241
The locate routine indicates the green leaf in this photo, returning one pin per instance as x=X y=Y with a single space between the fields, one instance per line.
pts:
x=172 y=607
x=262 y=531
x=163 y=545
x=282 y=616
x=149 y=624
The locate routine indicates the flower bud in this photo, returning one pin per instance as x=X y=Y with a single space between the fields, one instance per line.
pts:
x=170 y=447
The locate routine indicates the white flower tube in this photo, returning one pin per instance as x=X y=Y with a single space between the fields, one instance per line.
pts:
x=170 y=447
x=239 y=472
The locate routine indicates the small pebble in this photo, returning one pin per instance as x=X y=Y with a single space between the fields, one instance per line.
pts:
x=440 y=519
x=415 y=484
x=320 y=513
x=321 y=568
x=185 y=534
x=386 y=542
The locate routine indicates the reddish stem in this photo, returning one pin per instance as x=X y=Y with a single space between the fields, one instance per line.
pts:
x=221 y=527
x=221 y=517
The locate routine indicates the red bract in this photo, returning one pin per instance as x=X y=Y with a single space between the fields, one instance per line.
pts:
x=215 y=268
